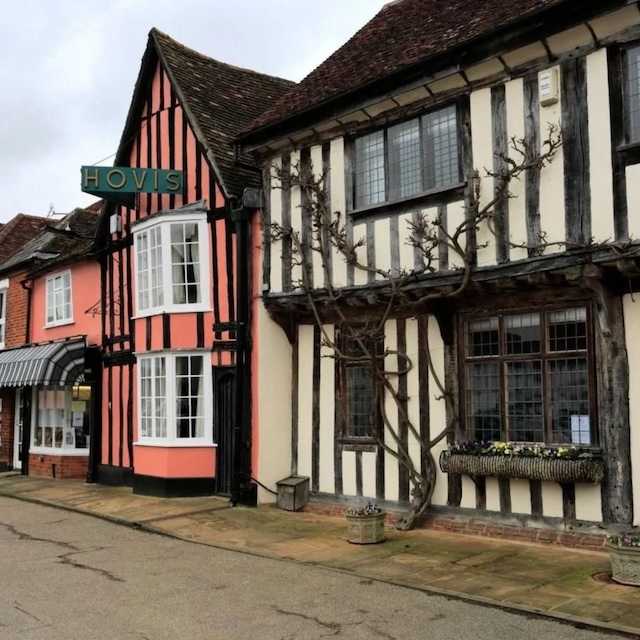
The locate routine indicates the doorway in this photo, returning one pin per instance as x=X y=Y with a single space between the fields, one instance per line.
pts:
x=224 y=385
x=18 y=414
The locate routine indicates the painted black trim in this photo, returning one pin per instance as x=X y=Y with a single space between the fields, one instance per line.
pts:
x=185 y=157
x=200 y=329
x=173 y=487
x=166 y=331
x=111 y=476
x=121 y=415
x=148 y=325
x=158 y=155
x=315 y=411
x=214 y=258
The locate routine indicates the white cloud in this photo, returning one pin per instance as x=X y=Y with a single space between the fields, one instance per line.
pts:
x=69 y=68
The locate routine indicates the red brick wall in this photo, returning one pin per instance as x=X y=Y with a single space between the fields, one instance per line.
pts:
x=16 y=324
x=486 y=528
x=65 y=466
x=6 y=426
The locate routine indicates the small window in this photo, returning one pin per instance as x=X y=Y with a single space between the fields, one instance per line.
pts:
x=633 y=94
x=408 y=159
x=528 y=377
x=171 y=265
x=175 y=392
x=59 y=299
x=361 y=419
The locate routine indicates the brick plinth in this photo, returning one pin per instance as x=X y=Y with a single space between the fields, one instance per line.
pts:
x=487 y=529
x=61 y=467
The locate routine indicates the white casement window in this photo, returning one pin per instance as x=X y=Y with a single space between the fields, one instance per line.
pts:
x=61 y=418
x=175 y=392
x=59 y=309
x=172 y=272
x=4 y=286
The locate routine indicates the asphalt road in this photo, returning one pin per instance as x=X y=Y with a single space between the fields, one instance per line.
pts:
x=65 y=576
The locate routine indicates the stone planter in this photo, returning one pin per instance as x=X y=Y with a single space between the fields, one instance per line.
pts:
x=625 y=564
x=366 y=529
x=528 y=468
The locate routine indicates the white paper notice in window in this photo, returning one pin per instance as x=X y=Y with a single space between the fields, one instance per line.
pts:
x=580 y=430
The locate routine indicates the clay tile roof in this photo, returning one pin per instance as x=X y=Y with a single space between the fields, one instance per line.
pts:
x=67 y=239
x=403 y=33
x=16 y=233
x=223 y=99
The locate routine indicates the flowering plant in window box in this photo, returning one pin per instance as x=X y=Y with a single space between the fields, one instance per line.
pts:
x=365 y=524
x=624 y=553
x=527 y=461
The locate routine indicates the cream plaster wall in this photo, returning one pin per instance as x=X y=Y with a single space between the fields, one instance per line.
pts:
x=276 y=218
x=552 y=179
x=601 y=171
x=631 y=310
x=327 y=414
x=338 y=202
x=316 y=258
x=482 y=151
x=305 y=398
x=514 y=97
x=273 y=390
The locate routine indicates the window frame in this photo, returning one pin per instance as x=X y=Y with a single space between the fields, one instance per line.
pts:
x=544 y=356
x=145 y=228
x=358 y=207
x=626 y=95
x=50 y=283
x=171 y=393
x=67 y=423
x=370 y=441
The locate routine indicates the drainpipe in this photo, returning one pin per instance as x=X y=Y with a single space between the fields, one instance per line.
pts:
x=29 y=290
x=26 y=391
x=241 y=488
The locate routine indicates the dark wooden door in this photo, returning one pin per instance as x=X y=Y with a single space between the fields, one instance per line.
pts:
x=224 y=386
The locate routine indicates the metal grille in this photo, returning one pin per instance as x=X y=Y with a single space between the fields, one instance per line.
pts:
x=633 y=93
x=524 y=401
x=370 y=181
x=405 y=167
x=569 y=391
x=359 y=393
x=440 y=130
x=522 y=334
x=483 y=400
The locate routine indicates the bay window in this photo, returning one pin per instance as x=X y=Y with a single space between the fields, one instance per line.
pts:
x=175 y=399
x=528 y=377
x=171 y=264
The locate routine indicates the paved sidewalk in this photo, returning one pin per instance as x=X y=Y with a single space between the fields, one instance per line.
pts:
x=566 y=584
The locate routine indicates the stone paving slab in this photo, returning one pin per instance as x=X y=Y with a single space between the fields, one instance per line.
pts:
x=566 y=584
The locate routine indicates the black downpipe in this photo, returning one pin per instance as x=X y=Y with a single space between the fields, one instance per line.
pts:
x=27 y=392
x=240 y=486
x=93 y=363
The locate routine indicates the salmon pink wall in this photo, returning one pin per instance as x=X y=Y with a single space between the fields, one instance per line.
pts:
x=177 y=462
x=85 y=293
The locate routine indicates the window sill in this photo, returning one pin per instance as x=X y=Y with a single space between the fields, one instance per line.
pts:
x=196 y=308
x=441 y=195
x=174 y=444
x=46 y=451
x=630 y=152
x=358 y=444
x=61 y=323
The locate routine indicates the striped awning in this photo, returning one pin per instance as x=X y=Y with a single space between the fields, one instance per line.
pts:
x=53 y=363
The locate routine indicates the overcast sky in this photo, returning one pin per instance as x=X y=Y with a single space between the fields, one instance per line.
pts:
x=68 y=68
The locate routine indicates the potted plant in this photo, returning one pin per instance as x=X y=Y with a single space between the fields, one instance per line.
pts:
x=624 y=553
x=365 y=524
x=528 y=461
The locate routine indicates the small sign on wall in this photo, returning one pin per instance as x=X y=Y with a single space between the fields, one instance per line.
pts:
x=548 y=86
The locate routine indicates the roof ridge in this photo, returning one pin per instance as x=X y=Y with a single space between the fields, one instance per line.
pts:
x=155 y=31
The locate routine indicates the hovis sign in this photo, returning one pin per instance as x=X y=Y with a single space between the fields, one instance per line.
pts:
x=119 y=184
